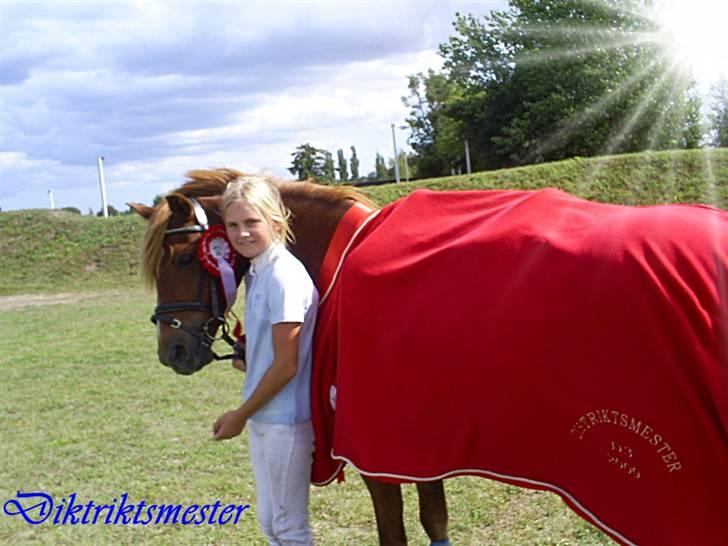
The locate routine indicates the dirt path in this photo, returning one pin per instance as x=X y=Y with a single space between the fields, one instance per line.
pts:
x=21 y=301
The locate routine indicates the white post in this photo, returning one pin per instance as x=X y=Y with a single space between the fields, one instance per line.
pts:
x=102 y=183
x=396 y=159
x=467 y=157
x=50 y=196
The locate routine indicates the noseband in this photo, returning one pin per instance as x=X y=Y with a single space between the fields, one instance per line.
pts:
x=162 y=311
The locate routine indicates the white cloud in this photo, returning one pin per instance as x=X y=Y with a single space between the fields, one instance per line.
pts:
x=160 y=88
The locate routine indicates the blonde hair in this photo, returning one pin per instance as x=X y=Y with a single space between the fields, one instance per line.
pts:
x=261 y=193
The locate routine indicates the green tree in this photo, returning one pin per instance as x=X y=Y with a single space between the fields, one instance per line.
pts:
x=437 y=135
x=354 y=163
x=719 y=114
x=74 y=210
x=110 y=210
x=693 y=129
x=308 y=162
x=343 y=172
x=405 y=169
x=380 y=167
x=329 y=174
x=549 y=80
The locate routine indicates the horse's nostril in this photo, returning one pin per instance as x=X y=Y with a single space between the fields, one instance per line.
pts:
x=178 y=353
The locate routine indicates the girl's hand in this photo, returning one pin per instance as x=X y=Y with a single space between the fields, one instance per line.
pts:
x=239 y=364
x=228 y=425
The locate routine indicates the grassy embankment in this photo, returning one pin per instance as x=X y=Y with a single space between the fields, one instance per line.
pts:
x=51 y=251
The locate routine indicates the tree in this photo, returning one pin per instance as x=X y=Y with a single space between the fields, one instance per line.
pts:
x=437 y=134
x=719 y=114
x=308 y=162
x=343 y=172
x=74 y=210
x=380 y=167
x=354 y=163
x=549 y=80
x=110 y=210
x=329 y=174
x=405 y=164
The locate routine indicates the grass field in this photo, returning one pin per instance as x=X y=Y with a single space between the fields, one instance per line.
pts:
x=87 y=409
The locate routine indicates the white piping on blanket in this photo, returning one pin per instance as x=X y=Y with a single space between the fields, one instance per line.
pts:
x=330 y=479
x=497 y=476
x=343 y=255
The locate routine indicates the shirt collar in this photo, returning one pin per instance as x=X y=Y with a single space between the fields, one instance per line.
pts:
x=262 y=260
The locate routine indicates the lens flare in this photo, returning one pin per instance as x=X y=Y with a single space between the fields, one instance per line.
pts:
x=696 y=34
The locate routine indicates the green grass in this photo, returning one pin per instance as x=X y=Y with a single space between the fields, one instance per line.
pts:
x=696 y=176
x=86 y=408
x=48 y=251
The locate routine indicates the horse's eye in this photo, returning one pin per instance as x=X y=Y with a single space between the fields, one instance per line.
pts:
x=186 y=259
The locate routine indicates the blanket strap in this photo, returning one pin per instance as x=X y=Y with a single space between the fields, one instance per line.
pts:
x=346 y=231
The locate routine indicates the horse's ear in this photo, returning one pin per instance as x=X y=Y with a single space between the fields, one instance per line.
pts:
x=212 y=204
x=142 y=210
x=179 y=204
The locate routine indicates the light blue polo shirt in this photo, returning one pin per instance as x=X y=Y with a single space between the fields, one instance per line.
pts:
x=279 y=289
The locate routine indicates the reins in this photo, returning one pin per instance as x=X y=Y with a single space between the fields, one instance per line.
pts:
x=217 y=317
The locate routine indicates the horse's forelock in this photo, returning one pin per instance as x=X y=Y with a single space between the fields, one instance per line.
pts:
x=153 y=245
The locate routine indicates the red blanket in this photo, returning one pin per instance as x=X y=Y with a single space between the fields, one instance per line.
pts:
x=541 y=340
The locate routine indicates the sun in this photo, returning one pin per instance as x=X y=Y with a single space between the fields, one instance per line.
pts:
x=695 y=32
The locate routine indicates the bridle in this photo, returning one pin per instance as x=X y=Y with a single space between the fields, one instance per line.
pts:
x=217 y=316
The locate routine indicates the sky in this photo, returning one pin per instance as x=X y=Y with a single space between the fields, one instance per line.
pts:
x=160 y=88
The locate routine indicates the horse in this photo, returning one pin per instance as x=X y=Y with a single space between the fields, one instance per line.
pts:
x=529 y=337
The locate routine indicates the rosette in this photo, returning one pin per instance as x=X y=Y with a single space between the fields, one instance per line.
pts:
x=218 y=257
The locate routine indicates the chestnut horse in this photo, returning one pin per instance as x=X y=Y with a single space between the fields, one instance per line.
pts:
x=189 y=317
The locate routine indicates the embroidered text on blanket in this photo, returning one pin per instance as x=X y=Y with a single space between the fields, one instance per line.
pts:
x=643 y=430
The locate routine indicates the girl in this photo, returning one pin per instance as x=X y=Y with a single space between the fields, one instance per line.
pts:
x=280 y=312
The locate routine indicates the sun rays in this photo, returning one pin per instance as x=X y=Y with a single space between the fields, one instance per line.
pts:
x=689 y=49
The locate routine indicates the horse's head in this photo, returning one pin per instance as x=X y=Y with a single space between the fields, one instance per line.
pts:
x=190 y=303
x=190 y=306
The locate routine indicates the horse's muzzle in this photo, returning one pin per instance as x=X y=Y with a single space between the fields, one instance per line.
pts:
x=185 y=359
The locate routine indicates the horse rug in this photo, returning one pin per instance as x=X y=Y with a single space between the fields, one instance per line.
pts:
x=541 y=340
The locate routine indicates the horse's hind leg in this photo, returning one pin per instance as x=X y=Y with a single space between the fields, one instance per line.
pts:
x=387 y=499
x=433 y=510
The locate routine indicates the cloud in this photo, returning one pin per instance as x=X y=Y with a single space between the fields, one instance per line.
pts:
x=154 y=85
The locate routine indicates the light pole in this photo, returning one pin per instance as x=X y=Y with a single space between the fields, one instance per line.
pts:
x=396 y=159
x=467 y=157
x=102 y=183
x=404 y=154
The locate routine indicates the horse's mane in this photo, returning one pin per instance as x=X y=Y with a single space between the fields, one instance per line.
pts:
x=211 y=182
x=327 y=195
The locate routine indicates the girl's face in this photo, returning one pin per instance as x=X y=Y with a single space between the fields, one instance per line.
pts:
x=249 y=231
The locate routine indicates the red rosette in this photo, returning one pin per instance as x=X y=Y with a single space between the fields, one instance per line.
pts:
x=215 y=246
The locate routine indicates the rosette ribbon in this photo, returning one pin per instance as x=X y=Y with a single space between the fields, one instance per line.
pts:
x=218 y=257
